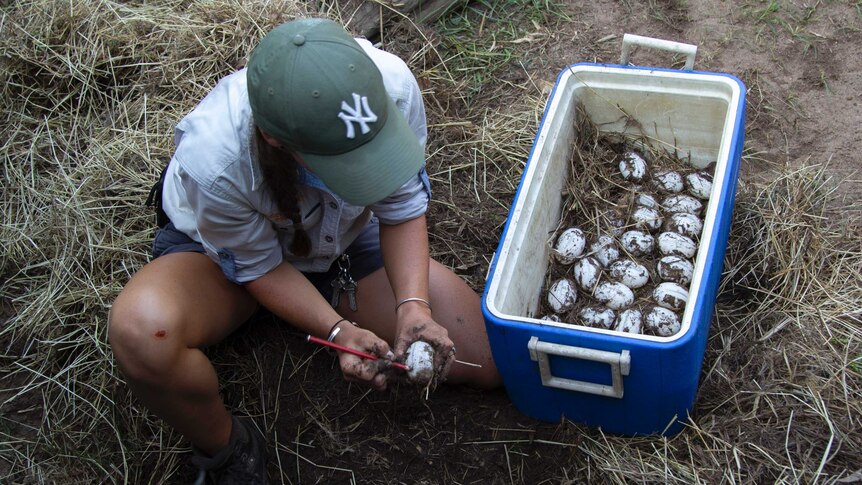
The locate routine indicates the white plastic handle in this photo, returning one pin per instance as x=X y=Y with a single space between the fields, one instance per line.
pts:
x=667 y=45
x=620 y=365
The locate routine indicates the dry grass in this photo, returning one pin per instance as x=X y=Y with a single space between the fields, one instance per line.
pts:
x=91 y=91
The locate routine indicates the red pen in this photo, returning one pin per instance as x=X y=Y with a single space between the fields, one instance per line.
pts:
x=326 y=343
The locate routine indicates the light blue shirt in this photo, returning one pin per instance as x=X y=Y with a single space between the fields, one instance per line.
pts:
x=214 y=192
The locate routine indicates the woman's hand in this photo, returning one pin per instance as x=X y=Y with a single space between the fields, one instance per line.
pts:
x=357 y=369
x=416 y=323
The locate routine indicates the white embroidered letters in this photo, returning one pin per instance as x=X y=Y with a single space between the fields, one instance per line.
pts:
x=350 y=114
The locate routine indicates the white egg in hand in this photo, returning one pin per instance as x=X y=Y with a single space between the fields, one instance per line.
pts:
x=420 y=362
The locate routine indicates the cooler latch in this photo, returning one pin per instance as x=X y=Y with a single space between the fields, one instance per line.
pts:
x=620 y=364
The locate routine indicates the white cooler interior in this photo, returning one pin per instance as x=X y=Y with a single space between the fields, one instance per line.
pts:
x=683 y=111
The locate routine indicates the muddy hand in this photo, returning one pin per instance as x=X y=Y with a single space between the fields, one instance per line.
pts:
x=437 y=336
x=358 y=369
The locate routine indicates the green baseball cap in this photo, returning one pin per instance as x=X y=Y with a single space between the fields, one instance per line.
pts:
x=313 y=88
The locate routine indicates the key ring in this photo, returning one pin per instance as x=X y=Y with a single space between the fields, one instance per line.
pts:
x=344 y=263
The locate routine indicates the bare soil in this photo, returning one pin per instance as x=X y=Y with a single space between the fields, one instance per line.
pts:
x=800 y=63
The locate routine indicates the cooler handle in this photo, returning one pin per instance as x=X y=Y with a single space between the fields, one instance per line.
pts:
x=667 y=45
x=620 y=365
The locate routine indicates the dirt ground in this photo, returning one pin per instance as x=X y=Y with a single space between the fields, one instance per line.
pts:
x=799 y=61
x=801 y=65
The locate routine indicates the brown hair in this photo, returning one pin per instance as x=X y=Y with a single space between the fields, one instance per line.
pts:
x=281 y=177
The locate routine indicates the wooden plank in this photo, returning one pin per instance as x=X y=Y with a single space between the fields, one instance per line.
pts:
x=367 y=18
x=428 y=12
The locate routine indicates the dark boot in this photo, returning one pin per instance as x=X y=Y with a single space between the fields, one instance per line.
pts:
x=242 y=461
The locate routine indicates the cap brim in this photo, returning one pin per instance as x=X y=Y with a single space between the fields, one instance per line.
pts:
x=375 y=170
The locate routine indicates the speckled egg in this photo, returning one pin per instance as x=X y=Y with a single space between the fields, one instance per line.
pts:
x=672 y=243
x=684 y=223
x=633 y=166
x=420 y=362
x=597 y=317
x=562 y=295
x=681 y=203
x=587 y=272
x=613 y=222
x=646 y=218
x=553 y=317
x=637 y=243
x=699 y=184
x=670 y=295
x=661 y=321
x=675 y=269
x=630 y=273
x=645 y=200
x=605 y=250
x=629 y=321
x=614 y=294
x=668 y=181
x=570 y=245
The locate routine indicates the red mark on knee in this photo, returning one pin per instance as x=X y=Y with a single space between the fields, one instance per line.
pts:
x=160 y=334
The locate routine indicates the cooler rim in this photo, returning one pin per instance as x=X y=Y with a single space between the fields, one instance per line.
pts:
x=728 y=151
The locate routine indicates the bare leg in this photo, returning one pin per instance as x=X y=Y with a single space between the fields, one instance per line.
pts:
x=456 y=307
x=173 y=307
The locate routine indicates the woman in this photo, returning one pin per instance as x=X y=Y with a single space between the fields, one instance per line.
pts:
x=297 y=184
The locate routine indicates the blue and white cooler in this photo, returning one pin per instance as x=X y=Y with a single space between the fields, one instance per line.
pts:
x=630 y=384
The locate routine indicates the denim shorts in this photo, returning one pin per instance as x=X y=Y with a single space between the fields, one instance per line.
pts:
x=364 y=254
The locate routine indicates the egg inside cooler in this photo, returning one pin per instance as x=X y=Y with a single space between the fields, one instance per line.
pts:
x=623 y=382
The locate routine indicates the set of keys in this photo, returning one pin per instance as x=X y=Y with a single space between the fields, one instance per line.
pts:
x=344 y=283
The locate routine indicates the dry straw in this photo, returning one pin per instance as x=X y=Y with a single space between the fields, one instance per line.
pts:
x=90 y=93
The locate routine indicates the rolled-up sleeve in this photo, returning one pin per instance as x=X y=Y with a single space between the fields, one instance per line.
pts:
x=236 y=236
x=408 y=202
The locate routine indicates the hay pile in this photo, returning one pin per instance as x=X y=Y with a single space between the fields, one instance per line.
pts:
x=91 y=91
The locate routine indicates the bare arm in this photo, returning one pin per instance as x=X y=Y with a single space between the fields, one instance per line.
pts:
x=287 y=293
x=406 y=257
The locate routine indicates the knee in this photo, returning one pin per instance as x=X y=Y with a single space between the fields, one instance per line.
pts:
x=477 y=373
x=488 y=379
x=144 y=337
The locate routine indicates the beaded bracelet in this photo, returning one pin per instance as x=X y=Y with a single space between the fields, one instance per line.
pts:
x=413 y=299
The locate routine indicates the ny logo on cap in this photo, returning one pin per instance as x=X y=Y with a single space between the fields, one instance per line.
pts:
x=350 y=114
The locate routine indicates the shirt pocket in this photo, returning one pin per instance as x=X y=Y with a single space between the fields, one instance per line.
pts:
x=310 y=216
